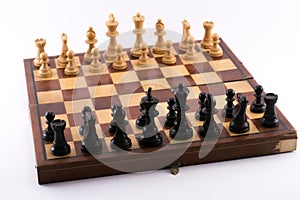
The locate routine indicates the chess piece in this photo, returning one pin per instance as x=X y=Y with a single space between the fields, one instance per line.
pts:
x=216 y=51
x=183 y=45
x=96 y=66
x=171 y=116
x=60 y=146
x=150 y=136
x=270 y=118
x=40 y=44
x=48 y=134
x=119 y=63
x=145 y=104
x=239 y=123
x=199 y=115
x=113 y=125
x=144 y=60
x=91 y=41
x=228 y=108
x=86 y=111
x=62 y=59
x=120 y=139
x=44 y=70
x=160 y=45
x=190 y=54
x=258 y=105
x=90 y=142
x=112 y=33
x=207 y=42
x=71 y=68
x=169 y=58
x=138 y=20
x=181 y=129
x=210 y=127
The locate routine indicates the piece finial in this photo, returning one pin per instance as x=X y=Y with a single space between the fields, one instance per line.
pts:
x=149 y=95
x=111 y=17
x=160 y=24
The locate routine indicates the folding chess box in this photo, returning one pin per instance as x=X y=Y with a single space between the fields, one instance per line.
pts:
x=66 y=95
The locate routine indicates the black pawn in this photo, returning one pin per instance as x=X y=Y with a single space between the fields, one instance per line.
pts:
x=258 y=105
x=210 y=127
x=145 y=104
x=171 y=116
x=150 y=136
x=239 y=122
x=86 y=111
x=199 y=115
x=48 y=134
x=60 y=146
x=270 y=118
x=113 y=126
x=90 y=142
x=181 y=129
x=120 y=139
x=228 y=108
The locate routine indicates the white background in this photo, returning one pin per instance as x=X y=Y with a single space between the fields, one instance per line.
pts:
x=263 y=34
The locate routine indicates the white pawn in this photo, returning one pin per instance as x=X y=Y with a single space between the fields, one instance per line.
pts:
x=119 y=63
x=169 y=58
x=190 y=54
x=144 y=59
x=71 y=68
x=96 y=66
x=216 y=50
x=44 y=71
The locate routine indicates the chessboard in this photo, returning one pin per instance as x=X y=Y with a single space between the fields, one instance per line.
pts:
x=67 y=95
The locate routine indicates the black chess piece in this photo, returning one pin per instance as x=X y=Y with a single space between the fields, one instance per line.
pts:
x=112 y=127
x=60 y=146
x=270 y=118
x=228 y=108
x=90 y=142
x=150 y=136
x=171 y=116
x=210 y=127
x=181 y=129
x=48 y=134
x=258 y=105
x=145 y=104
x=199 y=115
x=86 y=111
x=239 y=122
x=120 y=139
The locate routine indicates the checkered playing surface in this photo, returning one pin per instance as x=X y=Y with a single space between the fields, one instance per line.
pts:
x=66 y=96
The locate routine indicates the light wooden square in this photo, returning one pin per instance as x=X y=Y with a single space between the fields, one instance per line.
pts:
x=77 y=137
x=72 y=83
x=50 y=156
x=76 y=61
x=38 y=78
x=50 y=97
x=220 y=100
x=221 y=65
x=156 y=84
x=199 y=58
x=191 y=118
x=153 y=64
x=132 y=125
x=104 y=116
x=86 y=71
x=124 y=77
x=76 y=106
x=194 y=92
x=174 y=71
x=206 y=78
x=252 y=130
x=162 y=108
x=102 y=90
x=252 y=115
x=239 y=86
x=61 y=116
x=129 y=100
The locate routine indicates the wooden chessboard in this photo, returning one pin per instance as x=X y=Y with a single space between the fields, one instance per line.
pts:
x=66 y=96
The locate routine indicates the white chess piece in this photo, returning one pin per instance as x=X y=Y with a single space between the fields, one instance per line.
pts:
x=96 y=66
